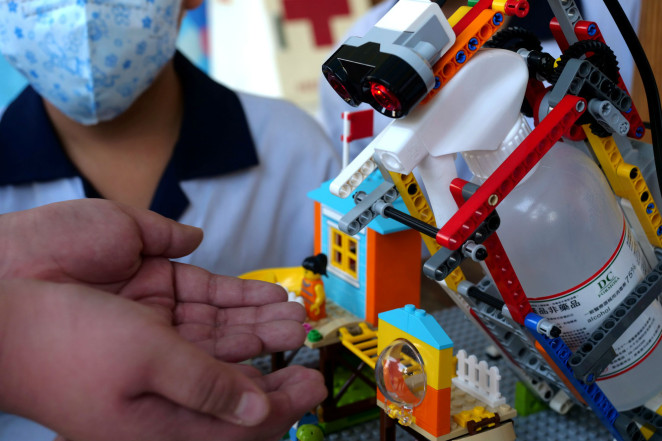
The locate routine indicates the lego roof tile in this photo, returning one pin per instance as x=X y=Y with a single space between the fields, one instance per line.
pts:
x=381 y=225
x=419 y=324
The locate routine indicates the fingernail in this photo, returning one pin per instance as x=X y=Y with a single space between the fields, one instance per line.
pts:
x=252 y=409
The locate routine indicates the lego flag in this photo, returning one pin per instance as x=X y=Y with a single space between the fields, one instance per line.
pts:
x=358 y=125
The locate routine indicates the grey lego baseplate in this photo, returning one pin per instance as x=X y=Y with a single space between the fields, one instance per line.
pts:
x=577 y=425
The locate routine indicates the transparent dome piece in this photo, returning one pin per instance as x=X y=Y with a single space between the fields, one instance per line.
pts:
x=400 y=374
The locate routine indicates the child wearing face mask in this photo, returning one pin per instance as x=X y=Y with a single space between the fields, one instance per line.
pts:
x=114 y=111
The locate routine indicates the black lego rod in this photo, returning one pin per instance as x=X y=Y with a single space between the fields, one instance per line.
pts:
x=410 y=221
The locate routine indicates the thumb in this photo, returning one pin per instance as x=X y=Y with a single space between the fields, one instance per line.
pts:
x=191 y=378
x=162 y=236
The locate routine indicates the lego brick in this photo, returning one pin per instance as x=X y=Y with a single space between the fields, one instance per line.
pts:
x=438 y=362
x=392 y=281
x=588 y=30
x=582 y=78
x=434 y=414
x=526 y=402
x=419 y=324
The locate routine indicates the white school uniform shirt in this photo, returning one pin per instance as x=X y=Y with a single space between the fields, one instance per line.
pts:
x=240 y=171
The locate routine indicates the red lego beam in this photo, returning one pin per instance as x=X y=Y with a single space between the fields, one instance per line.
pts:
x=488 y=196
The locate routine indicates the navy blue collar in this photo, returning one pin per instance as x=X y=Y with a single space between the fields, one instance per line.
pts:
x=214 y=140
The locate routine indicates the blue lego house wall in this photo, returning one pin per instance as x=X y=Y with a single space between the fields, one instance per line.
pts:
x=350 y=295
x=347 y=295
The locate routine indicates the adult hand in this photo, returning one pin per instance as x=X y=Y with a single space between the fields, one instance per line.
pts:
x=126 y=251
x=98 y=367
x=93 y=241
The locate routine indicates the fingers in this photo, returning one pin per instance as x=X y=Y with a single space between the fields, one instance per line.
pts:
x=293 y=391
x=162 y=236
x=190 y=378
x=197 y=313
x=196 y=285
x=237 y=334
x=240 y=343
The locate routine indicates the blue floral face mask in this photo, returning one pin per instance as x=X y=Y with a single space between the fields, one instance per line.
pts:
x=89 y=58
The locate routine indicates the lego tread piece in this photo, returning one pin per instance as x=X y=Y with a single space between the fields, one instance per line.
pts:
x=464 y=222
x=627 y=182
x=596 y=354
x=468 y=41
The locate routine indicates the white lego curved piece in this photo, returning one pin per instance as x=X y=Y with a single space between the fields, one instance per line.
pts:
x=475 y=110
x=351 y=176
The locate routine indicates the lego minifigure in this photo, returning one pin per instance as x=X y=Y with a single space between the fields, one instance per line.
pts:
x=312 y=287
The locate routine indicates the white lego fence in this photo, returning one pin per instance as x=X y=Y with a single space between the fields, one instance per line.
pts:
x=478 y=379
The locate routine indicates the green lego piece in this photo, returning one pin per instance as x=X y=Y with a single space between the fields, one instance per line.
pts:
x=526 y=402
x=310 y=432
x=314 y=336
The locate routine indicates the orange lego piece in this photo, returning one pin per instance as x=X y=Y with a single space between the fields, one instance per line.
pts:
x=434 y=414
x=466 y=45
x=395 y=281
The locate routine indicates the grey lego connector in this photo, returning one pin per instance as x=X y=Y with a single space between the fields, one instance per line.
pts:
x=644 y=415
x=596 y=354
x=567 y=13
x=365 y=211
x=548 y=328
x=581 y=78
x=611 y=120
x=474 y=251
x=628 y=429
x=444 y=261
x=516 y=344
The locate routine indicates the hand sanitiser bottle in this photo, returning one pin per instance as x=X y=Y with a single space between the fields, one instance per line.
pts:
x=577 y=259
x=562 y=227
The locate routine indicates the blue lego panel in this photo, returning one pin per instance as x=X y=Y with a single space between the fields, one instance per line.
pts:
x=419 y=324
x=348 y=295
x=380 y=225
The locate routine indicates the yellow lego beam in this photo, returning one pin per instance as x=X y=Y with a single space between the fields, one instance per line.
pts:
x=418 y=206
x=627 y=182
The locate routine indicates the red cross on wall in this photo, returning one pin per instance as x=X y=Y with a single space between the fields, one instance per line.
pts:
x=319 y=12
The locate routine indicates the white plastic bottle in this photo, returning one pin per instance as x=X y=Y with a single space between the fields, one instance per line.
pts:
x=576 y=259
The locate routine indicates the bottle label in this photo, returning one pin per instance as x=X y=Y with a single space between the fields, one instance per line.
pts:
x=580 y=310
